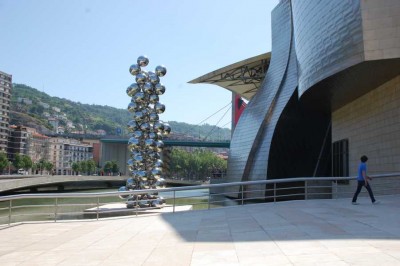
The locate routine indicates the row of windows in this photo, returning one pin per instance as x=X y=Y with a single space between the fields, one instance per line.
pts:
x=5 y=95
x=6 y=90
x=7 y=78
x=5 y=84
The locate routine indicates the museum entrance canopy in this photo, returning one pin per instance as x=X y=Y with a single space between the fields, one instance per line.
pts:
x=243 y=78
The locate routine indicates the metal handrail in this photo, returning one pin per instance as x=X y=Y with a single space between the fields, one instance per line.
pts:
x=238 y=197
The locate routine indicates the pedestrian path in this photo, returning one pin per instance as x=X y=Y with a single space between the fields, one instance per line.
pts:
x=313 y=232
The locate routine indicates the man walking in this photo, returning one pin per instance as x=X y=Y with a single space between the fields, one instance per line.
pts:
x=362 y=180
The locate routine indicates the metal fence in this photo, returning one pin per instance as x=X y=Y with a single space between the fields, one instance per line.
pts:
x=55 y=207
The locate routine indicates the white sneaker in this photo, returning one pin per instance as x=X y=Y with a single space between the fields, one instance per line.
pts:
x=376 y=202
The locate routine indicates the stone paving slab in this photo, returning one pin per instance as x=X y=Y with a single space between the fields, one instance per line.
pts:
x=313 y=232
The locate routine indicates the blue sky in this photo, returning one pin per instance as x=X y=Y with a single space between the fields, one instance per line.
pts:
x=81 y=50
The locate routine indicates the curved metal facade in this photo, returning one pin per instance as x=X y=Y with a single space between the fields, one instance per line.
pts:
x=259 y=113
x=318 y=57
x=328 y=38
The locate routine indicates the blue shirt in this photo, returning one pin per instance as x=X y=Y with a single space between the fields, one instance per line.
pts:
x=361 y=168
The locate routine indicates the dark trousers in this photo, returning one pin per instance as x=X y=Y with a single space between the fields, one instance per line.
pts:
x=359 y=186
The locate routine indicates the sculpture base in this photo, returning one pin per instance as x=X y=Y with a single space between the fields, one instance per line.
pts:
x=120 y=209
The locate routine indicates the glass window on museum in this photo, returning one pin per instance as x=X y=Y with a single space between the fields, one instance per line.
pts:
x=340 y=159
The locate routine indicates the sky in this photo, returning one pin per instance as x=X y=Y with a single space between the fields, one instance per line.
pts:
x=81 y=50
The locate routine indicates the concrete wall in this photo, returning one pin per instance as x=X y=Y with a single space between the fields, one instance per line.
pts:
x=381 y=28
x=371 y=123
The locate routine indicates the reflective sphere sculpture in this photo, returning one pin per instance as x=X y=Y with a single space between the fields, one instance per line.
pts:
x=146 y=133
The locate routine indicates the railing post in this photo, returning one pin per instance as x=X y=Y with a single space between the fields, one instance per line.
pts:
x=98 y=207
x=173 y=202
x=9 y=212
x=336 y=189
x=55 y=210
x=242 y=195
x=209 y=199
x=306 y=189
x=274 y=192
x=137 y=205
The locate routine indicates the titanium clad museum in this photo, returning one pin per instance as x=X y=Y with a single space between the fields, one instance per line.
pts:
x=329 y=94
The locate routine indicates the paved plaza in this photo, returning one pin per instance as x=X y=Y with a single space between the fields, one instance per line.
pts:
x=314 y=232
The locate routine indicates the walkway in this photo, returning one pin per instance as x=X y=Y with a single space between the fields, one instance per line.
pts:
x=314 y=232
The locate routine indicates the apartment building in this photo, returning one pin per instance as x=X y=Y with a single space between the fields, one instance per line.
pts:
x=5 y=98
x=64 y=152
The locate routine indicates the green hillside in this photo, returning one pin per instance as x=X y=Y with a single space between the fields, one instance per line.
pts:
x=30 y=107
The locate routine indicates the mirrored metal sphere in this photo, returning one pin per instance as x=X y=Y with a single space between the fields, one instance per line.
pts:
x=132 y=126
x=156 y=172
x=150 y=143
x=141 y=78
x=129 y=182
x=138 y=116
x=132 y=89
x=133 y=143
x=153 y=99
x=123 y=189
x=137 y=134
x=148 y=88
x=160 y=135
x=159 y=145
x=153 y=117
x=138 y=159
x=133 y=107
x=159 y=163
x=167 y=129
x=159 y=107
x=161 y=183
x=153 y=78
x=138 y=97
x=142 y=174
x=143 y=61
x=134 y=69
x=161 y=70
x=158 y=126
x=159 y=89
x=145 y=127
